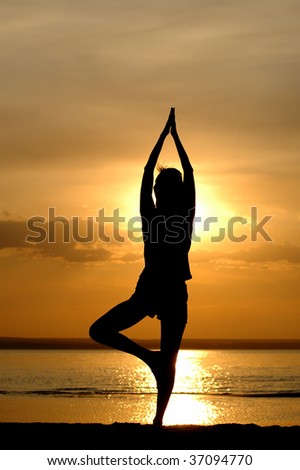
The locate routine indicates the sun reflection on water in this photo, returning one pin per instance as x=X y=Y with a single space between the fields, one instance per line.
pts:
x=191 y=377
x=187 y=409
x=187 y=404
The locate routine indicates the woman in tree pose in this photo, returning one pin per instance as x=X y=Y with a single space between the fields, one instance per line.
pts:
x=161 y=290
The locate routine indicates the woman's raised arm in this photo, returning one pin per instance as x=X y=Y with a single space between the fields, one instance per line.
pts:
x=146 y=201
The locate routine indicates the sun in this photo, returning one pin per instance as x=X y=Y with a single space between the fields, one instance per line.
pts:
x=212 y=214
x=212 y=210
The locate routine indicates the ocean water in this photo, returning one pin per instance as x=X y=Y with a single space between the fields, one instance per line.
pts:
x=106 y=386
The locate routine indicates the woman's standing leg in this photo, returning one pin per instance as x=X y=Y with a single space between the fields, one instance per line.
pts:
x=172 y=329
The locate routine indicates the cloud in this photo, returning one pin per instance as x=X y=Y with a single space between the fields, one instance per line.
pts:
x=13 y=234
x=267 y=253
x=88 y=243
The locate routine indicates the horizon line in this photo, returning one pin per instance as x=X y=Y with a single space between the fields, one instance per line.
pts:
x=10 y=342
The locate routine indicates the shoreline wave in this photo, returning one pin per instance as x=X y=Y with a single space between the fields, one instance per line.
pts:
x=93 y=393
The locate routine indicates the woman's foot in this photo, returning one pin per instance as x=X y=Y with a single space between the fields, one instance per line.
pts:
x=157 y=422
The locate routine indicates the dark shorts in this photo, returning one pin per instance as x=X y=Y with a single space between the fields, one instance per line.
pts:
x=162 y=299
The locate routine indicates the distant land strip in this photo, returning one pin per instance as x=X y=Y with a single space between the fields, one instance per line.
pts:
x=86 y=343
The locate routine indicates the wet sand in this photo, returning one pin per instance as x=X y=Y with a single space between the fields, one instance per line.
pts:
x=125 y=436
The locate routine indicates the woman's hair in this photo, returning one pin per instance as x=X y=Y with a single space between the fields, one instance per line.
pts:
x=168 y=187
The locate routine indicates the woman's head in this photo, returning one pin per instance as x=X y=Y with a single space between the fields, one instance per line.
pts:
x=168 y=188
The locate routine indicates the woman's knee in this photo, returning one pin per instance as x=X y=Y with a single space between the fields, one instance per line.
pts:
x=98 y=331
x=93 y=332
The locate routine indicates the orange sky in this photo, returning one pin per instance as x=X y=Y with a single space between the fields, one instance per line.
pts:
x=86 y=87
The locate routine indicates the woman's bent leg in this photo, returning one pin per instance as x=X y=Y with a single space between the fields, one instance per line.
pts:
x=106 y=330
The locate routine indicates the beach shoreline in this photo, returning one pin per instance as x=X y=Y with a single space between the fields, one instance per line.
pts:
x=124 y=436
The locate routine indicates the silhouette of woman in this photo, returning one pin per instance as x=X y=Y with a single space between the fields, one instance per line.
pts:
x=161 y=289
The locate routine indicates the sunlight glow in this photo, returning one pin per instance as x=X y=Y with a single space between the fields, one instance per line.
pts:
x=188 y=409
x=210 y=207
x=188 y=371
x=188 y=403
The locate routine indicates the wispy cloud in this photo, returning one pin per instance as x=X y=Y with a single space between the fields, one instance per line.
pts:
x=13 y=234
x=267 y=253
